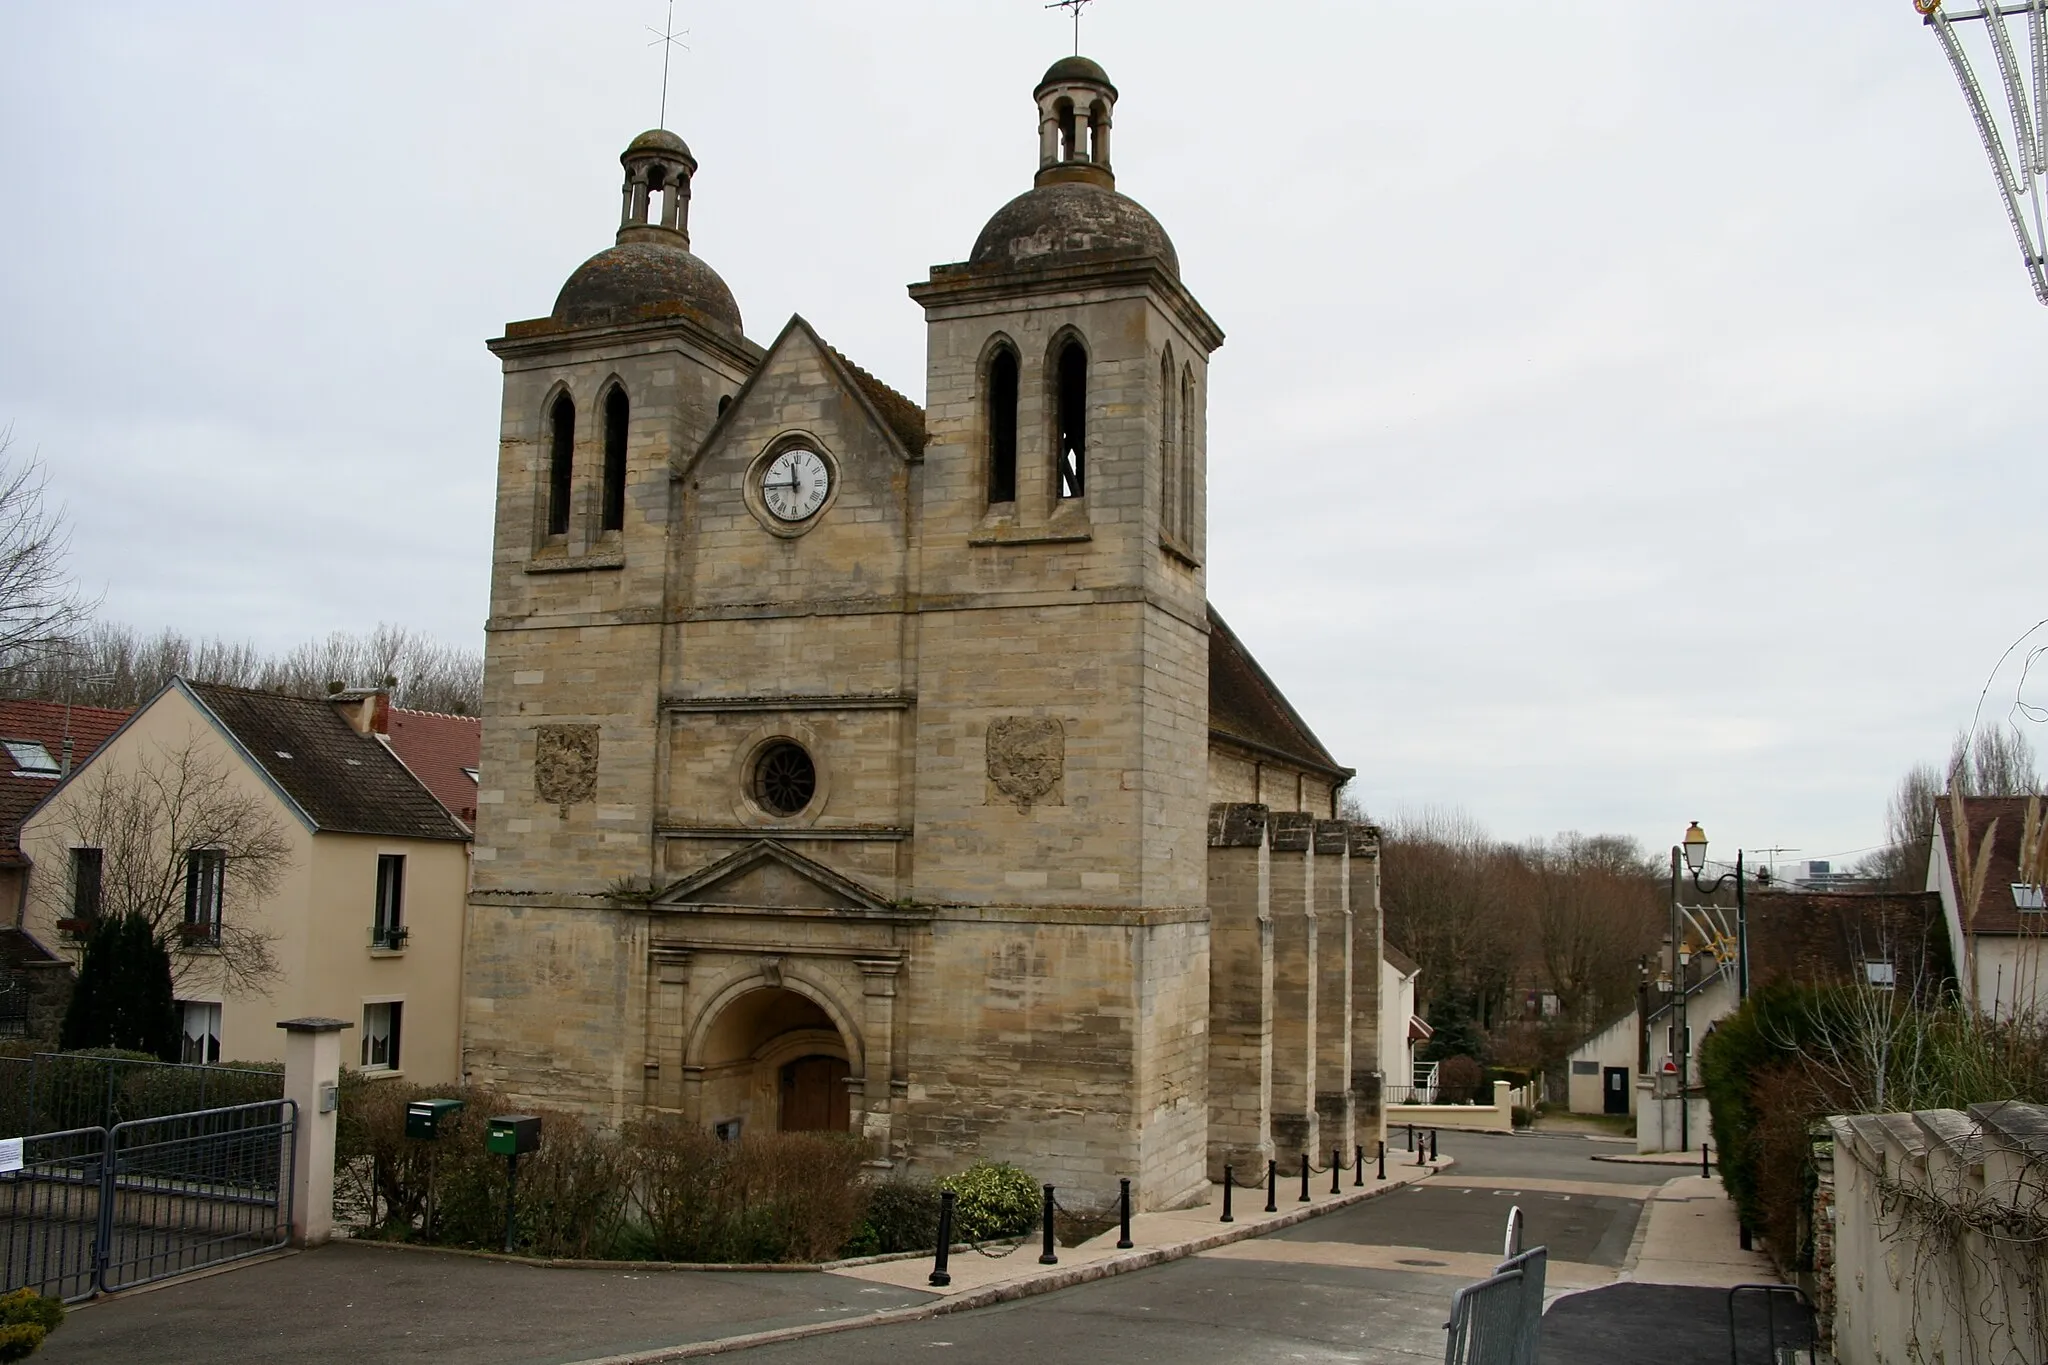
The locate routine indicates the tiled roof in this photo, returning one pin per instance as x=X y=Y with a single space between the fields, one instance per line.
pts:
x=1246 y=706
x=904 y=417
x=345 y=782
x=43 y=722
x=1398 y=960
x=1819 y=938
x=1998 y=913
x=438 y=748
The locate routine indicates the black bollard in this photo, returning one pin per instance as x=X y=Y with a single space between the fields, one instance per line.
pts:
x=1123 y=1243
x=1046 y=1255
x=1359 y=1178
x=1272 y=1187
x=1304 y=1177
x=1432 y=1144
x=1411 y=1137
x=1228 y=1180
x=939 y=1278
x=1703 y=1161
x=1421 y=1150
x=1383 y=1161
x=1743 y=1228
x=1336 y=1170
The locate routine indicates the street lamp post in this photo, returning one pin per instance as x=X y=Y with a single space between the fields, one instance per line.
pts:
x=1694 y=852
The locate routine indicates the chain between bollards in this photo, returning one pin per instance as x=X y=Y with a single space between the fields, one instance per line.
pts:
x=1272 y=1187
x=939 y=1278
x=1046 y=1255
x=1123 y=1242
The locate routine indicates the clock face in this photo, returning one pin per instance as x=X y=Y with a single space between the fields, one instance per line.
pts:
x=795 y=484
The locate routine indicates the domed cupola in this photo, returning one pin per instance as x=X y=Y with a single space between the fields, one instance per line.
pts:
x=651 y=272
x=1073 y=212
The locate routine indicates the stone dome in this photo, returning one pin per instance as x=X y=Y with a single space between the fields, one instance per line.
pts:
x=640 y=279
x=1056 y=224
x=1076 y=69
x=659 y=140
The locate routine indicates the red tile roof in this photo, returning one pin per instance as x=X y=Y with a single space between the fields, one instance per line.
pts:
x=437 y=748
x=1998 y=913
x=43 y=722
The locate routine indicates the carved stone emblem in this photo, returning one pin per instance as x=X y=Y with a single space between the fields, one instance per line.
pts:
x=1027 y=757
x=565 y=764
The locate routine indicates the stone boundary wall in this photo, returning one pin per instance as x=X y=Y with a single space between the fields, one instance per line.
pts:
x=1929 y=1235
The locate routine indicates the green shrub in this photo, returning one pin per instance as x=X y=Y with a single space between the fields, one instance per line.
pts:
x=902 y=1215
x=993 y=1199
x=26 y=1317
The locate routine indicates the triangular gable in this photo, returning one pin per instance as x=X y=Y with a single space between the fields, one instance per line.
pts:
x=901 y=434
x=772 y=876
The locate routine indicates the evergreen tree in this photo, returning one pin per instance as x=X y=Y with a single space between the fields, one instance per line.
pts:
x=1455 y=1030
x=124 y=995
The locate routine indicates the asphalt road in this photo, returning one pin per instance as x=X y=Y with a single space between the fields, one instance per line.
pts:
x=1224 y=1311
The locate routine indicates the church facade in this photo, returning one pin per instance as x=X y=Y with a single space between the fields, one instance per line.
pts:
x=851 y=764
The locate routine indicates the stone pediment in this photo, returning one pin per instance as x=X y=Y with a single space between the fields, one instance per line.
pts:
x=769 y=876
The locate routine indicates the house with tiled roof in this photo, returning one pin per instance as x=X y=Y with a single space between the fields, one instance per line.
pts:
x=39 y=742
x=364 y=921
x=1995 y=909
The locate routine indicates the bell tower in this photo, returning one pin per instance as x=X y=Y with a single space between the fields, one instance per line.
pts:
x=1062 y=703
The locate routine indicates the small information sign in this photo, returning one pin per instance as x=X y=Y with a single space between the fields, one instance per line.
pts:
x=10 y=1155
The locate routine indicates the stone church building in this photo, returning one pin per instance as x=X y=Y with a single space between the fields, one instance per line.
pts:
x=858 y=765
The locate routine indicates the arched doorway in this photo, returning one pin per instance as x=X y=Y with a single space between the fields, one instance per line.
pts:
x=774 y=1062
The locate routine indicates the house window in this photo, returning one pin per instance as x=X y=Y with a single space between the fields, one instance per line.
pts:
x=1002 y=426
x=561 y=459
x=2026 y=897
x=1585 y=1068
x=86 y=864
x=1880 y=975
x=388 y=929
x=726 y=1130
x=615 y=413
x=1073 y=418
x=380 y=1035
x=205 y=880
x=201 y=1042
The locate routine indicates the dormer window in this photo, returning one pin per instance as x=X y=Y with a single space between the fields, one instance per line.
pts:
x=2026 y=897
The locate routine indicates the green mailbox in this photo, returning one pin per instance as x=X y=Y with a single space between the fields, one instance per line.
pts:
x=424 y=1118
x=513 y=1135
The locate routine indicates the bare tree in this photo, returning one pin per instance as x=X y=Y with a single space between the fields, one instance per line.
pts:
x=184 y=849
x=113 y=665
x=1995 y=762
x=1596 y=904
x=41 y=608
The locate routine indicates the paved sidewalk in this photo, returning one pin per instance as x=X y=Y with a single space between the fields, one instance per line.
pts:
x=1155 y=1236
x=1692 y=1237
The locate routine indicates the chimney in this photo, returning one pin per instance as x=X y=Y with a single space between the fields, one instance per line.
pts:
x=366 y=709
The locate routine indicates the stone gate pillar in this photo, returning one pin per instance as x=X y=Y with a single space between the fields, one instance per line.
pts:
x=1240 y=990
x=1334 y=974
x=312 y=1073
x=1295 y=1128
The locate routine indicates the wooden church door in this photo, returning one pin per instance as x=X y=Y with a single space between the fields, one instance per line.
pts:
x=814 y=1096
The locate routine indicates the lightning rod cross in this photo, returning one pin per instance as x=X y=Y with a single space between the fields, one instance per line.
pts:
x=1073 y=7
x=668 y=40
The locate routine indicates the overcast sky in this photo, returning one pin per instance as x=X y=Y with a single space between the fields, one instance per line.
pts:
x=1678 y=358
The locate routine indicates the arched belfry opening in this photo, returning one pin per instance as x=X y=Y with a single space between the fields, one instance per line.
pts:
x=561 y=463
x=773 y=1061
x=1071 y=406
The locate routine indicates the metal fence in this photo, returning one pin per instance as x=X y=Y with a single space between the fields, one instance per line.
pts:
x=55 y=1091
x=110 y=1208
x=1499 y=1321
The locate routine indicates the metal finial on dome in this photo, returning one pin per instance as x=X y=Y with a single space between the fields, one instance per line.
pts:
x=667 y=39
x=1073 y=7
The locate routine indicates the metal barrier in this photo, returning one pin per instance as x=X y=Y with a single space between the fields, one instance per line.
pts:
x=56 y=1091
x=1800 y=1338
x=1499 y=1321
x=97 y=1209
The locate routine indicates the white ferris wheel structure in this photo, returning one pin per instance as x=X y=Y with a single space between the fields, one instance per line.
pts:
x=2017 y=143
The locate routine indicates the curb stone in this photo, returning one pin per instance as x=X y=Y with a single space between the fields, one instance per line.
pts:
x=1025 y=1287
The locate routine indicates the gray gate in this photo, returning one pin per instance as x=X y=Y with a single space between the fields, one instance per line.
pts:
x=97 y=1209
x=1499 y=1321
